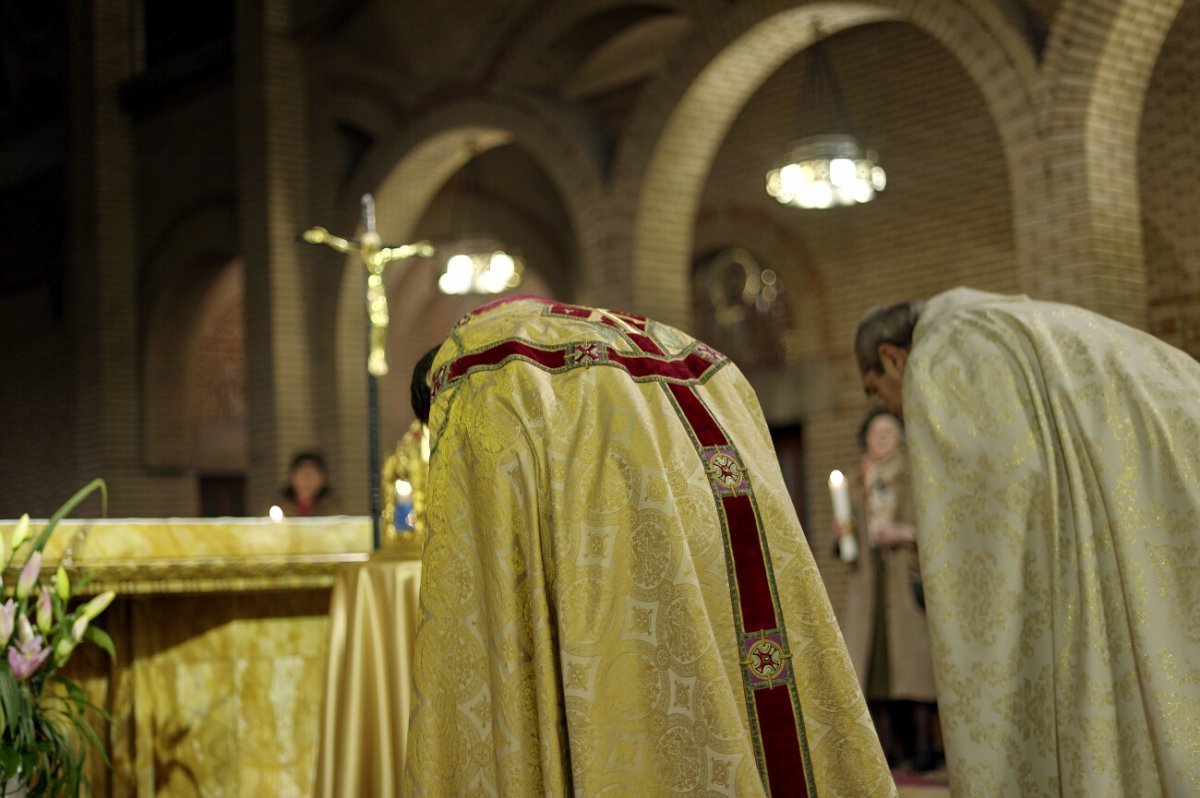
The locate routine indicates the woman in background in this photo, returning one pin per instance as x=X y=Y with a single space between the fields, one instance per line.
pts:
x=885 y=629
x=307 y=491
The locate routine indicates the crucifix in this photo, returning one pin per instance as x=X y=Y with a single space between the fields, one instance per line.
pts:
x=375 y=257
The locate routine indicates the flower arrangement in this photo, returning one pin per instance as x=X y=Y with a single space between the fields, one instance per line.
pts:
x=44 y=736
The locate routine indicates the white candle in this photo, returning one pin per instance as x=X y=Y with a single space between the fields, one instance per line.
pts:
x=839 y=491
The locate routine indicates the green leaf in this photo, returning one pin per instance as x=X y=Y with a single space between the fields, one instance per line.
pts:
x=86 y=729
x=101 y=638
x=70 y=505
x=10 y=760
x=74 y=691
x=17 y=709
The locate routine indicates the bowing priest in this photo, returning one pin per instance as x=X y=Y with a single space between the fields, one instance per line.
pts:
x=617 y=597
x=1056 y=475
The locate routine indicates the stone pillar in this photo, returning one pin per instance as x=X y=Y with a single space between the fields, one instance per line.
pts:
x=1097 y=66
x=103 y=265
x=272 y=157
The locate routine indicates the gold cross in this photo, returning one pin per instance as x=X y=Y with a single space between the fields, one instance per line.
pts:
x=375 y=257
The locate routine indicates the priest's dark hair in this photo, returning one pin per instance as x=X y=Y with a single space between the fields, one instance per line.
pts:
x=886 y=324
x=420 y=388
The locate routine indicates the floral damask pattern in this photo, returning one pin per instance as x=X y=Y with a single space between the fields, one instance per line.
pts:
x=576 y=583
x=1057 y=523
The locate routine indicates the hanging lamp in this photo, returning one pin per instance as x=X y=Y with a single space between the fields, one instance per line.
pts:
x=828 y=167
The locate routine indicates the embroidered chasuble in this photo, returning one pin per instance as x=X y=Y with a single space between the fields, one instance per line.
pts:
x=1056 y=472
x=617 y=598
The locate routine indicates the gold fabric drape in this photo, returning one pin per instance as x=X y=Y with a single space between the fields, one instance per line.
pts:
x=1056 y=469
x=220 y=627
x=368 y=682
x=618 y=597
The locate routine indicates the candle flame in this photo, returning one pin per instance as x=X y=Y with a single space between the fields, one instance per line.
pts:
x=836 y=477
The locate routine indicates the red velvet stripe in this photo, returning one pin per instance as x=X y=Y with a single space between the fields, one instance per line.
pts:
x=754 y=589
x=692 y=367
x=689 y=368
x=780 y=742
x=574 y=311
x=551 y=359
x=777 y=721
x=697 y=414
x=645 y=343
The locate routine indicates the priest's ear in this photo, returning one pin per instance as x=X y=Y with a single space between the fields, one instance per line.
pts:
x=893 y=358
x=420 y=388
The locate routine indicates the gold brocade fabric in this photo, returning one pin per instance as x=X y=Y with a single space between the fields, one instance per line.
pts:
x=1056 y=463
x=578 y=635
x=364 y=719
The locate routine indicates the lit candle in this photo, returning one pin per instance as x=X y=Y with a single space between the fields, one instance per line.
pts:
x=839 y=492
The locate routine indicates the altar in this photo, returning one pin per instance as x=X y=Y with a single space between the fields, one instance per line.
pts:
x=222 y=635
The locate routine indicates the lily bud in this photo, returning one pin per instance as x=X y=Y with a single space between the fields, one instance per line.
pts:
x=98 y=605
x=29 y=575
x=62 y=583
x=62 y=651
x=8 y=618
x=24 y=630
x=45 y=611
x=79 y=627
x=21 y=533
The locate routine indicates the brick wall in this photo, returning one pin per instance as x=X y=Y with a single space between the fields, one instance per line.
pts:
x=101 y=306
x=37 y=425
x=996 y=154
x=1169 y=185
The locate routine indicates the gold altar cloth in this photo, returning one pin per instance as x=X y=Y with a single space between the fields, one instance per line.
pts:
x=220 y=628
x=188 y=555
x=368 y=678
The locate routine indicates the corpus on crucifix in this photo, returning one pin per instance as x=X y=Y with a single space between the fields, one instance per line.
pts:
x=375 y=257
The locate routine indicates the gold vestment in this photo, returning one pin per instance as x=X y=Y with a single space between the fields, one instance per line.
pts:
x=1056 y=471
x=617 y=597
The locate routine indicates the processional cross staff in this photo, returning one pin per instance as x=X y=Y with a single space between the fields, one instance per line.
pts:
x=375 y=257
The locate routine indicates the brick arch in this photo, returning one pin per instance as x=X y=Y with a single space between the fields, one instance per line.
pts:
x=196 y=256
x=366 y=100
x=785 y=252
x=1170 y=194
x=528 y=60
x=407 y=172
x=1097 y=68
x=208 y=225
x=682 y=120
